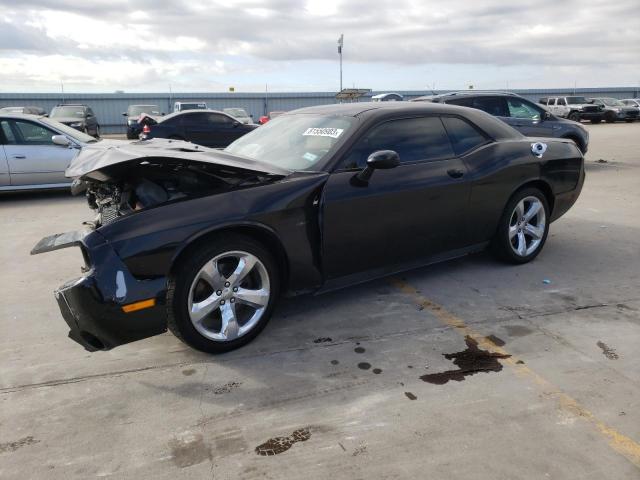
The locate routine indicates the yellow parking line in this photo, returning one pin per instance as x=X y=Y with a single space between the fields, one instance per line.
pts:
x=622 y=444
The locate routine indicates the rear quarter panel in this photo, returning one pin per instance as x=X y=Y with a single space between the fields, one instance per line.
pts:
x=498 y=170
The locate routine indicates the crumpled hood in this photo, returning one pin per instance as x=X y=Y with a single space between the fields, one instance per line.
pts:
x=95 y=156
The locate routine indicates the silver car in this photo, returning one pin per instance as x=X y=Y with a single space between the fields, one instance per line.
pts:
x=35 y=151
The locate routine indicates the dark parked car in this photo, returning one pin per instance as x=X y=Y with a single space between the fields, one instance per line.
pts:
x=204 y=127
x=26 y=110
x=80 y=117
x=525 y=116
x=204 y=241
x=134 y=128
x=615 y=110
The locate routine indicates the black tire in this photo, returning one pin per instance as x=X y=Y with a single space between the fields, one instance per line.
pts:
x=178 y=319
x=630 y=120
x=610 y=118
x=574 y=116
x=501 y=243
x=97 y=134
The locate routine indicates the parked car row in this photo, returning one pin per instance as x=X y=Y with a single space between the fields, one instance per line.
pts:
x=595 y=110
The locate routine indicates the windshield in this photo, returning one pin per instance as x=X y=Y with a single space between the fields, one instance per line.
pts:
x=294 y=142
x=68 y=131
x=135 y=110
x=236 y=112
x=59 y=112
x=577 y=100
x=612 y=102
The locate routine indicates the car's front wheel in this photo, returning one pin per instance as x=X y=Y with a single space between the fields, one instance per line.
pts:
x=574 y=116
x=523 y=228
x=222 y=294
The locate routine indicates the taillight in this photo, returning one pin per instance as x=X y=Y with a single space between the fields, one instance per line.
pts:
x=146 y=129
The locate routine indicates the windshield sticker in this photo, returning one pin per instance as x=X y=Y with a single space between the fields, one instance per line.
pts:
x=310 y=156
x=324 y=132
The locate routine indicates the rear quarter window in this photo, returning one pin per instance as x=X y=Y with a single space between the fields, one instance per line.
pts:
x=464 y=136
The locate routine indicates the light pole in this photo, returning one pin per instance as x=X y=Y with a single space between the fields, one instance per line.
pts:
x=340 y=44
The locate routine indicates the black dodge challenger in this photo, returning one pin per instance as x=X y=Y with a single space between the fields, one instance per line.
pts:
x=204 y=241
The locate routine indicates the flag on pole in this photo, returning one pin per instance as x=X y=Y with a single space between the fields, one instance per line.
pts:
x=340 y=43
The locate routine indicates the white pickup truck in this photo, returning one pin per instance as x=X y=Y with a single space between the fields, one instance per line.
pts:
x=573 y=108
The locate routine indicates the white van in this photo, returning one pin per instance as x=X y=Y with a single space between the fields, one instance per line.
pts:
x=180 y=106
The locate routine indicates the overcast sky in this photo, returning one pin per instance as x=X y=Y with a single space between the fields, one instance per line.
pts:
x=209 y=45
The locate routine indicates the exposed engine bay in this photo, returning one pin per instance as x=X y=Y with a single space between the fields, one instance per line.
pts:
x=123 y=189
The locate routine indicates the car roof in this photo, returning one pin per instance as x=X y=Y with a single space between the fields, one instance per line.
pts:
x=463 y=93
x=18 y=116
x=494 y=127
x=194 y=110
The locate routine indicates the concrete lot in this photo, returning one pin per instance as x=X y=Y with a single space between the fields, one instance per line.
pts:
x=564 y=405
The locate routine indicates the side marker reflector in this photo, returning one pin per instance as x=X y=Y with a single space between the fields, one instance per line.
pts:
x=141 y=305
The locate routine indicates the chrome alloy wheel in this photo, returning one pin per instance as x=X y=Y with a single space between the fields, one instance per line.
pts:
x=527 y=226
x=228 y=296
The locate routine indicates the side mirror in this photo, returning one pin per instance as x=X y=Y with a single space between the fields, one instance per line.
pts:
x=61 y=140
x=235 y=124
x=546 y=116
x=125 y=114
x=382 y=160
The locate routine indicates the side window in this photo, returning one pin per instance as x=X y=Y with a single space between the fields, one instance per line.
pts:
x=8 y=132
x=33 y=134
x=464 y=136
x=414 y=139
x=462 y=102
x=217 y=120
x=493 y=105
x=195 y=119
x=553 y=101
x=562 y=101
x=90 y=112
x=521 y=109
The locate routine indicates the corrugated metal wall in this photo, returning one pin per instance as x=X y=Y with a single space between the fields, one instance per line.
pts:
x=109 y=106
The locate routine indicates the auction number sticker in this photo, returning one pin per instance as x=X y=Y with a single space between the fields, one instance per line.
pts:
x=324 y=132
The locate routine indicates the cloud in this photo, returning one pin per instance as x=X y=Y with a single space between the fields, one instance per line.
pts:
x=213 y=38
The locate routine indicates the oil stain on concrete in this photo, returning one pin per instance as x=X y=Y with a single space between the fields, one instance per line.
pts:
x=226 y=388
x=607 y=351
x=410 y=396
x=278 y=445
x=323 y=340
x=188 y=372
x=470 y=361
x=189 y=448
x=359 y=350
x=15 y=445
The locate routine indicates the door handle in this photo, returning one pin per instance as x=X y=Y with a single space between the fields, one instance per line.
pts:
x=19 y=156
x=455 y=173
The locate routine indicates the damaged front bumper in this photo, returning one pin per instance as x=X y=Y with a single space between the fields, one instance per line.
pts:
x=97 y=305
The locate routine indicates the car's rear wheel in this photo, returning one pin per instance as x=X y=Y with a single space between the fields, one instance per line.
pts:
x=222 y=294
x=523 y=228
x=575 y=116
x=97 y=135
